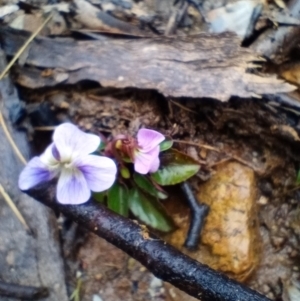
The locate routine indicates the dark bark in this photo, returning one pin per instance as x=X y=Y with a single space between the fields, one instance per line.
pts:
x=163 y=260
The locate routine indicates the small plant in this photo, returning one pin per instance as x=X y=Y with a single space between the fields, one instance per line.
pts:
x=126 y=173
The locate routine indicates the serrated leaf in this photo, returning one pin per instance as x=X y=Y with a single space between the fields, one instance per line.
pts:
x=117 y=199
x=165 y=145
x=149 y=210
x=145 y=184
x=175 y=167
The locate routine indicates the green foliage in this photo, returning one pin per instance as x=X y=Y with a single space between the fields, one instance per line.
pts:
x=117 y=199
x=176 y=167
x=149 y=210
x=145 y=184
x=165 y=145
x=99 y=196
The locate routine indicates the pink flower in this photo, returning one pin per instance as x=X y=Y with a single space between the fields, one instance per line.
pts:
x=145 y=157
x=69 y=157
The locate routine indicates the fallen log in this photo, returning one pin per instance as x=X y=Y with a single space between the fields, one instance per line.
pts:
x=205 y=65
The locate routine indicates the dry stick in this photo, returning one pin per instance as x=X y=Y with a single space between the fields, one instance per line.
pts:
x=160 y=258
x=6 y=69
x=197 y=144
x=10 y=139
x=232 y=157
x=5 y=129
x=178 y=11
x=13 y=207
x=181 y=106
x=45 y=128
x=26 y=44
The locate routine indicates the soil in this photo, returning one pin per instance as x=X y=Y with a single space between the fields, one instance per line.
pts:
x=248 y=149
x=252 y=145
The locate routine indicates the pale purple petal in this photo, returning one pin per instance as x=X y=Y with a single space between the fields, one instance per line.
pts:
x=71 y=142
x=55 y=152
x=34 y=173
x=72 y=188
x=48 y=158
x=144 y=161
x=99 y=172
x=155 y=165
x=149 y=139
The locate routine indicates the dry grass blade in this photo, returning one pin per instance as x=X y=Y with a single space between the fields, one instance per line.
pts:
x=3 y=124
x=197 y=144
x=181 y=106
x=13 y=207
x=14 y=59
x=21 y=50
x=11 y=141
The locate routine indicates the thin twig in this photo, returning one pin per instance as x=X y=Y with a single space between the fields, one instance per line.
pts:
x=21 y=50
x=240 y=160
x=197 y=144
x=13 y=207
x=231 y=157
x=6 y=69
x=258 y=170
x=10 y=139
x=219 y=162
x=181 y=106
x=46 y=128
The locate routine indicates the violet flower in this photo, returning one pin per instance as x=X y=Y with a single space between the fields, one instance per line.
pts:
x=69 y=157
x=145 y=157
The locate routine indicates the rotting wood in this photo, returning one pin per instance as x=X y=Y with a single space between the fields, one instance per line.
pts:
x=212 y=66
x=163 y=260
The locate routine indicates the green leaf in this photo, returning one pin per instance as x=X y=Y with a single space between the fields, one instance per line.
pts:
x=175 y=167
x=149 y=210
x=145 y=184
x=165 y=145
x=117 y=199
x=99 y=196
